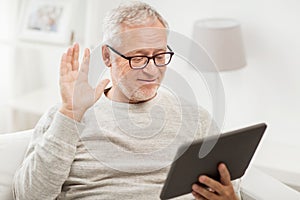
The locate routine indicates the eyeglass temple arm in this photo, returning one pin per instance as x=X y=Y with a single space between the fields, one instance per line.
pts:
x=169 y=48
x=116 y=52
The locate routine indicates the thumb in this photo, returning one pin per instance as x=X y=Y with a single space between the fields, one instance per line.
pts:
x=100 y=88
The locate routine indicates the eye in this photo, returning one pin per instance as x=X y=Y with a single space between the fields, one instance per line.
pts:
x=160 y=56
x=137 y=59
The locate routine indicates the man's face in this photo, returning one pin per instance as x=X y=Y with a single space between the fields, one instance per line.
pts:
x=138 y=84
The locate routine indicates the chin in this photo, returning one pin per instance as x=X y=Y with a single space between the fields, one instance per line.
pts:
x=144 y=93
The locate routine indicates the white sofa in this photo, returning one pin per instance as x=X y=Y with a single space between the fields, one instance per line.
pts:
x=255 y=184
x=12 y=150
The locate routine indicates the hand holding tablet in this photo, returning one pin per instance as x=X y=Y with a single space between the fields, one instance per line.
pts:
x=213 y=189
x=235 y=149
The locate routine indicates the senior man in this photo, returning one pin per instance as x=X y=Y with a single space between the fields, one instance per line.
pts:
x=62 y=161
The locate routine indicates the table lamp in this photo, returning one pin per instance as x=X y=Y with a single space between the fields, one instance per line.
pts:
x=222 y=39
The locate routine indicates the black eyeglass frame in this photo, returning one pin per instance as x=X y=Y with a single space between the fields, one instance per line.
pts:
x=171 y=53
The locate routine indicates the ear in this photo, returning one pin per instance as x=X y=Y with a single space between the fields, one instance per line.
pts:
x=106 y=56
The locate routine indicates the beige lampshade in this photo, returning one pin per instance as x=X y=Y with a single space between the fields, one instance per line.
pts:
x=222 y=39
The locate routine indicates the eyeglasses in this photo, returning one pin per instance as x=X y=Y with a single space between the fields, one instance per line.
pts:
x=140 y=62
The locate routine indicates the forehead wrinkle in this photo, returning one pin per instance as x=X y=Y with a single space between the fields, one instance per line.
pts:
x=133 y=40
x=146 y=51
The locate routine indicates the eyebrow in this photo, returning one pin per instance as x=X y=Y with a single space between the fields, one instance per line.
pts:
x=143 y=51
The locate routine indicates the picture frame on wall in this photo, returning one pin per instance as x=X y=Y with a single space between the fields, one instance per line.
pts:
x=46 y=21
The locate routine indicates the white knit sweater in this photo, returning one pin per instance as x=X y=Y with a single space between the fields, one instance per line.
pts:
x=118 y=151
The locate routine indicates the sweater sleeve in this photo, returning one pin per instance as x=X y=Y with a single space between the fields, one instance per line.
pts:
x=49 y=157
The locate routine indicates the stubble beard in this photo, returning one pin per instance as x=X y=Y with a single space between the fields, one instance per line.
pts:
x=140 y=93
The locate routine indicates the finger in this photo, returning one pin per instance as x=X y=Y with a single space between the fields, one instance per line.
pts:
x=69 y=54
x=198 y=196
x=211 y=183
x=100 y=88
x=204 y=192
x=63 y=65
x=75 y=62
x=69 y=58
x=225 y=175
x=85 y=62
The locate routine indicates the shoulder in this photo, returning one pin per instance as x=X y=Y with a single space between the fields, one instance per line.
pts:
x=46 y=120
x=186 y=106
x=191 y=112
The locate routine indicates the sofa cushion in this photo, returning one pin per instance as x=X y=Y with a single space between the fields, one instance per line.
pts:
x=256 y=184
x=12 y=150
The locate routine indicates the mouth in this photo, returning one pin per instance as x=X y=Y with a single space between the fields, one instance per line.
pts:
x=147 y=80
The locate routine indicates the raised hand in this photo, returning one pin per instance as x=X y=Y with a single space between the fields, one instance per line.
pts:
x=76 y=93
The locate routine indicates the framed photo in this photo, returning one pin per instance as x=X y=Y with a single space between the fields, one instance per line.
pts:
x=46 y=21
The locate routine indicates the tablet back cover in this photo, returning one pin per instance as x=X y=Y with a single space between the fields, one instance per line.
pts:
x=234 y=148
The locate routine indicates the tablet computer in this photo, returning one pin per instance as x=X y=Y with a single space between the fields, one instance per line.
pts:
x=234 y=148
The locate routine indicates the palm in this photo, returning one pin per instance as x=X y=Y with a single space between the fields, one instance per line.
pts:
x=77 y=94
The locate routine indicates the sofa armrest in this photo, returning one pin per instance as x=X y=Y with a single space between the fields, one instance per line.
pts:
x=13 y=147
x=256 y=185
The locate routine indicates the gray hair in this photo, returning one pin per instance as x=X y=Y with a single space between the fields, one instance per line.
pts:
x=129 y=14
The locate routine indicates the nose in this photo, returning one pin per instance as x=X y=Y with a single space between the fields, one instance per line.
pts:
x=150 y=69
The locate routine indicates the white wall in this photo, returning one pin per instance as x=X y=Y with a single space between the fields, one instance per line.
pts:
x=267 y=89
x=7 y=26
x=27 y=65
